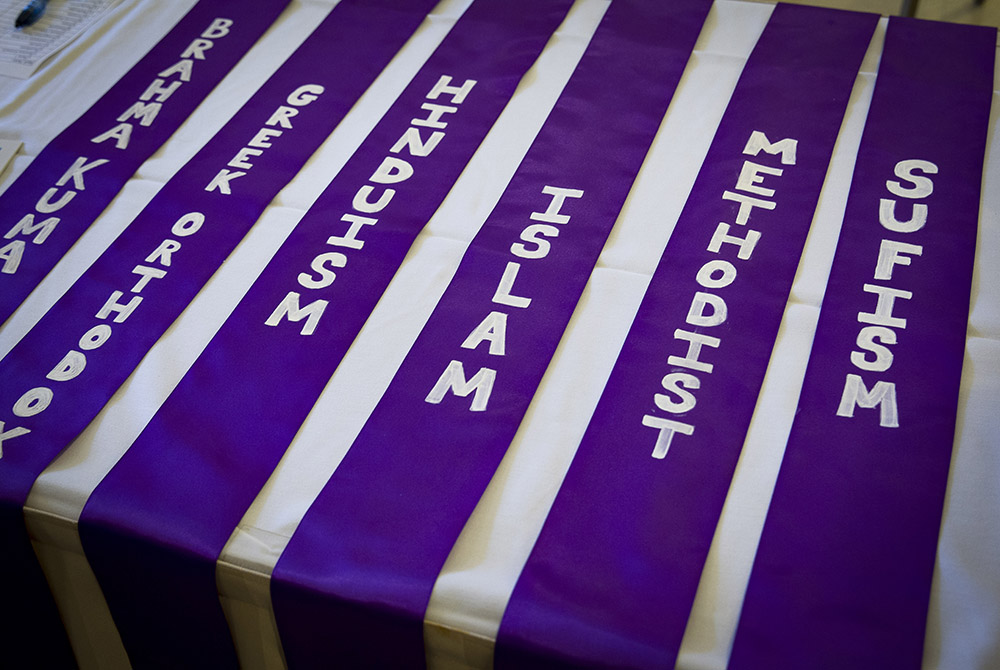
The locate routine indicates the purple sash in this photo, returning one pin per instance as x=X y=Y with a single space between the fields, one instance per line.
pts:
x=354 y=582
x=842 y=575
x=75 y=177
x=153 y=531
x=612 y=577
x=68 y=366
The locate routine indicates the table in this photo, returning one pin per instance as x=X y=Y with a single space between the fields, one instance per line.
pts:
x=471 y=592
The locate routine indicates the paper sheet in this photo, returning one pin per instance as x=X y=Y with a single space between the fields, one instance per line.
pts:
x=23 y=50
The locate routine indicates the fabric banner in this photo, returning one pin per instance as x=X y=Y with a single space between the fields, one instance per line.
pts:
x=60 y=375
x=842 y=576
x=156 y=525
x=74 y=178
x=612 y=577
x=360 y=569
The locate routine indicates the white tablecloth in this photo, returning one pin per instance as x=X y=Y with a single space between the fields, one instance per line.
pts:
x=470 y=594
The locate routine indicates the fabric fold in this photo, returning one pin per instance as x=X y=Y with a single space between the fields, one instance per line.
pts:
x=60 y=375
x=155 y=526
x=360 y=569
x=842 y=575
x=612 y=577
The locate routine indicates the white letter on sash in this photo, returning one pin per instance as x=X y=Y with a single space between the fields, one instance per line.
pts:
x=746 y=244
x=163 y=252
x=530 y=235
x=95 y=337
x=457 y=93
x=433 y=120
x=221 y=181
x=27 y=226
x=392 y=171
x=281 y=117
x=695 y=342
x=45 y=204
x=112 y=305
x=120 y=134
x=16 y=431
x=667 y=429
x=889 y=256
x=290 y=307
x=260 y=140
x=706 y=274
x=884 y=394
x=350 y=239
x=303 y=95
x=869 y=339
x=33 y=402
x=415 y=145
x=144 y=111
x=333 y=259
x=159 y=90
x=453 y=379
x=362 y=204
x=559 y=195
x=197 y=49
x=882 y=316
x=11 y=255
x=218 y=28
x=786 y=147
x=76 y=170
x=747 y=203
x=503 y=296
x=696 y=314
x=676 y=383
x=922 y=186
x=750 y=177
x=189 y=224
x=146 y=274
x=241 y=159
x=887 y=217
x=181 y=67
x=494 y=329
x=69 y=367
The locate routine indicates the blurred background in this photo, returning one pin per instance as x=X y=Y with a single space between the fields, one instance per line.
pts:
x=983 y=12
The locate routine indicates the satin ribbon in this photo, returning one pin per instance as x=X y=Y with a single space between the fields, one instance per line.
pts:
x=79 y=172
x=842 y=575
x=155 y=526
x=60 y=375
x=354 y=581
x=612 y=577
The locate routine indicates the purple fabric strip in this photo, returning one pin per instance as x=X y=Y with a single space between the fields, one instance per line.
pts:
x=842 y=576
x=68 y=366
x=75 y=177
x=613 y=574
x=354 y=582
x=156 y=525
